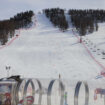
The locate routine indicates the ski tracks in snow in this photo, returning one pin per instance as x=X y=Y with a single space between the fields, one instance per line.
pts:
x=45 y=52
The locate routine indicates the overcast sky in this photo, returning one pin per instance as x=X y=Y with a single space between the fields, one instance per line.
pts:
x=8 y=8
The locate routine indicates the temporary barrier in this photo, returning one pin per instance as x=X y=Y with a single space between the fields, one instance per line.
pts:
x=24 y=92
x=77 y=89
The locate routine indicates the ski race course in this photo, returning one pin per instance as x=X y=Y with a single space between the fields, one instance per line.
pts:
x=44 y=52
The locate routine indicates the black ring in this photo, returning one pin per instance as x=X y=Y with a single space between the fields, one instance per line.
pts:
x=50 y=91
x=77 y=89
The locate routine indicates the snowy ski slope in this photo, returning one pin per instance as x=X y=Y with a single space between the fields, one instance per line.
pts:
x=45 y=52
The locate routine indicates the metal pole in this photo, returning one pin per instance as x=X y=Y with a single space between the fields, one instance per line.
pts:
x=59 y=85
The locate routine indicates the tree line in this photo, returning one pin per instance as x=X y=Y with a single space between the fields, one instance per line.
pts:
x=57 y=17
x=8 y=27
x=86 y=21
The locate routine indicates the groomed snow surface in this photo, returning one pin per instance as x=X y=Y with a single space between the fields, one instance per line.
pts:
x=45 y=52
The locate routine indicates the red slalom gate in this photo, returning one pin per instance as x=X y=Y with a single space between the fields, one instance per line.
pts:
x=97 y=62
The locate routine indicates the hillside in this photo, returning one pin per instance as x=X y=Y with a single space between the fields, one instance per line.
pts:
x=45 y=52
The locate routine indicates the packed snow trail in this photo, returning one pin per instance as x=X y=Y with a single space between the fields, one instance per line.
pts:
x=45 y=52
x=97 y=62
